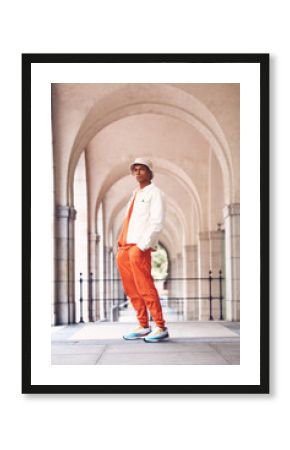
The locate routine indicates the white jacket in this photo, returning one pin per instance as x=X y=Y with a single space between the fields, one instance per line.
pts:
x=147 y=218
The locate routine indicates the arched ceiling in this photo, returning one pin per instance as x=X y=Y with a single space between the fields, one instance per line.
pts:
x=163 y=100
x=180 y=199
x=183 y=175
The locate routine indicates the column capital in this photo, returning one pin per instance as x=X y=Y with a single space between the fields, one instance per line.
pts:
x=190 y=247
x=61 y=211
x=204 y=236
x=65 y=212
x=218 y=234
x=93 y=237
x=232 y=210
x=72 y=213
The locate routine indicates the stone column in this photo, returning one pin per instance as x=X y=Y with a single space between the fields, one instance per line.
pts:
x=94 y=313
x=191 y=286
x=180 y=286
x=232 y=238
x=108 y=283
x=172 y=283
x=71 y=264
x=115 y=279
x=98 y=284
x=64 y=301
x=203 y=269
x=217 y=264
x=111 y=272
x=115 y=294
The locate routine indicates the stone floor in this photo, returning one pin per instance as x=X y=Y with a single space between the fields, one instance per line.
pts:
x=203 y=343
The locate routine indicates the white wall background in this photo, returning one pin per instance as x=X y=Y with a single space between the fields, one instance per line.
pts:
x=60 y=421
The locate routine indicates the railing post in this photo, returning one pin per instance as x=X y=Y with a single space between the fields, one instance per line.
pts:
x=81 y=299
x=210 y=296
x=221 y=295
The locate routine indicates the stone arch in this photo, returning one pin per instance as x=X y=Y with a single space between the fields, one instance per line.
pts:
x=158 y=99
x=175 y=172
x=162 y=166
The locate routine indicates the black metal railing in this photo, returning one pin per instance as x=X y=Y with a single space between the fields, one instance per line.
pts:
x=108 y=293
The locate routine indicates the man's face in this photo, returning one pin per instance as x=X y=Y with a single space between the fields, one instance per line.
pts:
x=141 y=173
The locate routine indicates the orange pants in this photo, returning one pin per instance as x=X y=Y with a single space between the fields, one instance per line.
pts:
x=135 y=270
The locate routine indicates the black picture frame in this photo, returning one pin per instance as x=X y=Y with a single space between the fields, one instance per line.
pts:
x=263 y=61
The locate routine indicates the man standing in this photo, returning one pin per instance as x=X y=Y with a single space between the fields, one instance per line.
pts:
x=139 y=235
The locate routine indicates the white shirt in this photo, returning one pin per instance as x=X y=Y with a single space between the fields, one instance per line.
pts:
x=147 y=218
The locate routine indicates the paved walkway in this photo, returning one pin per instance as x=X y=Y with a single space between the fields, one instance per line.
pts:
x=190 y=343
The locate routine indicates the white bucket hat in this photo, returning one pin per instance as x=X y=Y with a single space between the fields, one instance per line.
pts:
x=145 y=162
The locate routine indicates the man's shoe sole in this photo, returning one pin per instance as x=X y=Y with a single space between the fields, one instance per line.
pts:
x=154 y=341
x=134 y=338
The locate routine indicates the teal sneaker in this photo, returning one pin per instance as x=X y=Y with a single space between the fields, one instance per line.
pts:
x=157 y=335
x=137 y=333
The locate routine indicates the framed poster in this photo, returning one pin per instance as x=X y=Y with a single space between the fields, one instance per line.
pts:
x=198 y=127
